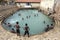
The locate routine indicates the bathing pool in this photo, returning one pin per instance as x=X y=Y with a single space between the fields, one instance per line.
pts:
x=36 y=21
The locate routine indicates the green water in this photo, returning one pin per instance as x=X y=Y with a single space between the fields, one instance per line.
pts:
x=35 y=21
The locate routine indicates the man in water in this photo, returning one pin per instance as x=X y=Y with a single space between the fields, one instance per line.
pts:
x=19 y=14
x=9 y=25
x=26 y=28
x=34 y=15
x=44 y=22
x=13 y=31
x=52 y=26
x=22 y=18
x=47 y=29
x=17 y=28
x=27 y=17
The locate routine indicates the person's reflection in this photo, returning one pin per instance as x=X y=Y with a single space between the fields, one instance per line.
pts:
x=47 y=28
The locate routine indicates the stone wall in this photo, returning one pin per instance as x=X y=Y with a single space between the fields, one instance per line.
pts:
x=6 y=11
x=57 y=14
x=45 y=4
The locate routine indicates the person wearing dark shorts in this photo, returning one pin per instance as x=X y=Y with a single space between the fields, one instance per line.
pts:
x=26 y=28
x=17 y=28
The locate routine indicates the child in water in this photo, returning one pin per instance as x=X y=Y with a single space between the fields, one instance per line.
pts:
x=22 y=18
x=52 y=26
x=19 y=14
x=34 y=15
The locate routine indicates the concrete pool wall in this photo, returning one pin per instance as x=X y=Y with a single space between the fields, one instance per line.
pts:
x=39 y=21
x=6 y=11
x=51 y=35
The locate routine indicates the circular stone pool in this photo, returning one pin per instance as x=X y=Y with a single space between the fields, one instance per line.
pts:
x=36 y=21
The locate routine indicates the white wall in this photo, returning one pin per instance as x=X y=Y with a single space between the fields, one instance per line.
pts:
x=35 y=4
x=57 y=6
x=24 y=4
x=47 y=3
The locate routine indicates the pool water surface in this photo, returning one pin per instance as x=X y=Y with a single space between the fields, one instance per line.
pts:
x=36 y=21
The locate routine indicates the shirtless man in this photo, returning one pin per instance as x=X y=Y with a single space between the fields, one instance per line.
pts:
x=26 y=28
x=17 y=28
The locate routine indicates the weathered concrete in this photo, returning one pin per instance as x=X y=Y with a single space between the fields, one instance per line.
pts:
x=50 y=35
x=6 y=11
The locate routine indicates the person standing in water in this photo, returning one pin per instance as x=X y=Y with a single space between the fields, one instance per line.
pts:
x=26 y=28
x=17 y=28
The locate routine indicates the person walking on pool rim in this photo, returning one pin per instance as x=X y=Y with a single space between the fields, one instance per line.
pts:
x=17 y=28
x=26 y=28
